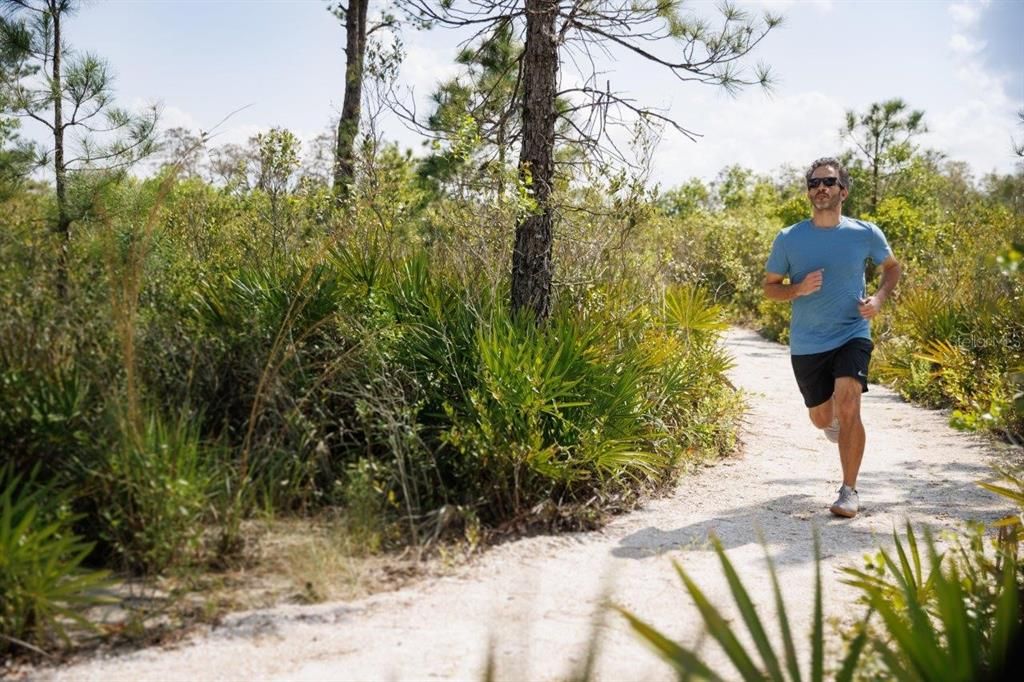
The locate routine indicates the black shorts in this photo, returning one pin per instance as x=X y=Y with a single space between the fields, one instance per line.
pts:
x=816 y=373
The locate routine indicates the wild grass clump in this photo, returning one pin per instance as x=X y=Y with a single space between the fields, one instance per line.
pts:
x=153 y=491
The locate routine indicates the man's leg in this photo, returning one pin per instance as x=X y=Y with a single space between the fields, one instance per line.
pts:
x=851 y=428
x=822 y=415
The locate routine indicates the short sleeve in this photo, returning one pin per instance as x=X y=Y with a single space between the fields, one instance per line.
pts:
x=879 y=245
x=778 y=262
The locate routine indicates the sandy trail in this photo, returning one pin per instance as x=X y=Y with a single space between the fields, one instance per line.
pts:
x=536 y=597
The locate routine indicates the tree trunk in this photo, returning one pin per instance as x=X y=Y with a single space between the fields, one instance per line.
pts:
x=63 y=226
x=502 y=159
x=875 y=163
x=531 y=259
x=874 y=187
x=351 y=109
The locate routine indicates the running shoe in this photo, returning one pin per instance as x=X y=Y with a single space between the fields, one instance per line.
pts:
x=848 y=503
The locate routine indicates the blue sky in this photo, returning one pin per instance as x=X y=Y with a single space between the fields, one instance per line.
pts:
x=962 y=62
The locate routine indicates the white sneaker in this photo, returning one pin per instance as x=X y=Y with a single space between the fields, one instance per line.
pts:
x=832 y=431
x=848 y=503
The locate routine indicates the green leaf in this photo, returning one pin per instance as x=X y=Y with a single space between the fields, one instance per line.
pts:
x=1016 y=496
x=853 y=654
x=780 y=608
x=749 y=613
x=720 y=630
x=683 y=660
x=961 y=652
x=1007 y=619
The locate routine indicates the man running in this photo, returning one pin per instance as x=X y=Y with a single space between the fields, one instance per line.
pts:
x=830 y=335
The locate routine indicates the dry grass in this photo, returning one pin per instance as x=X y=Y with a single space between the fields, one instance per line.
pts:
x=286 y=561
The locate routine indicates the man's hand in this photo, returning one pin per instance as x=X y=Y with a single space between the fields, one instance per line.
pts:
x=777 y=291
x=869 y=306
x=811 y=283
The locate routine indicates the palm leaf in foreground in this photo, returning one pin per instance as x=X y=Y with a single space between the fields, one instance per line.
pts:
x=688 y=663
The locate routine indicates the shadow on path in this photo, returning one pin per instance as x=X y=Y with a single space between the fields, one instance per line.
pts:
x=786 y=523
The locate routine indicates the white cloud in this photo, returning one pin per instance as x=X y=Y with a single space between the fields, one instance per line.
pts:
x=424 y=67
x=965 y=14
x=979 y=127
x=173 y=117
x=753 y=132
x=965 y=45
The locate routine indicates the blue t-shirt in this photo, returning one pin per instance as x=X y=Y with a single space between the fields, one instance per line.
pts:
x=829 y=317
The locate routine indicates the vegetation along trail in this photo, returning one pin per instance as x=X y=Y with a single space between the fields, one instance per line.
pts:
x=534 y=600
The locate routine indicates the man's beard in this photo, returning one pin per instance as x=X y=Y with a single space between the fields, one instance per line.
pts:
x=826 y=202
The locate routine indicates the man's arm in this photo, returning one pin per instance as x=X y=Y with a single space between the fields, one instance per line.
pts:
x=777 y=291
x=891 y=272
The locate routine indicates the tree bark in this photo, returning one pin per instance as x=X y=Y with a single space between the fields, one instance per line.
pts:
x=875 y=162
x=531 y=259
x=63 y=226
x=351 y=108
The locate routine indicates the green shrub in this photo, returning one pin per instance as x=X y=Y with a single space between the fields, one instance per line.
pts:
x=773 y=319
x=43 y=588
x=46 y=421
x=958 y=621
x=366 y=499
x=153 y=492
x=587 y=403
x=269 y=340
x=549 y=412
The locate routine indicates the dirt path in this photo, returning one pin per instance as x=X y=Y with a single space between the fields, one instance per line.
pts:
x=536 y=597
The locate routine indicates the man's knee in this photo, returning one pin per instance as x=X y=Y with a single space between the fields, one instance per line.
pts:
x=847 y=397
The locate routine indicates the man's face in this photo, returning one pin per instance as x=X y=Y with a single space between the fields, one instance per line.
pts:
x=824 y=197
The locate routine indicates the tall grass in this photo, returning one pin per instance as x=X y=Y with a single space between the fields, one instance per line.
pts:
x=154 y=491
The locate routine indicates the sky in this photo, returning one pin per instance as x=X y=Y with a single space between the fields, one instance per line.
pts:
x=961 y=62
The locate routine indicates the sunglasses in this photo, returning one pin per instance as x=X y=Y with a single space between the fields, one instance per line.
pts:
x=830 y=181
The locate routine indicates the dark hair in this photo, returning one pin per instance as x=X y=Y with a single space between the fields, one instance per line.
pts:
x=844 y=175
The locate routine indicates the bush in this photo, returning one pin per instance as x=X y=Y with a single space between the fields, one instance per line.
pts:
x=43 y=588
x=153 y=492
x=554 y=410
x=46 y=419
x=958 y=621
x=361 y=356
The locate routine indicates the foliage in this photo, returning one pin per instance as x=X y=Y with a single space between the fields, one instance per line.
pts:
x=958 y=621
x=109 y=136
x=956 y=617
x=152 y=489
x=46 y=419
x=554 y=409
x=776 y=663
x=882 y=137
x=43 y=588
x=471 y=111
